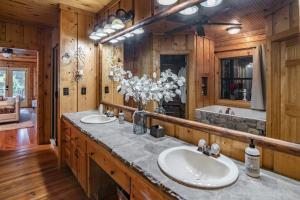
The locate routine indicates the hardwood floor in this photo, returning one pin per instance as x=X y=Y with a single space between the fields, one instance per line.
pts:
x=15 y=139
x=19 y=138
x=32 y=174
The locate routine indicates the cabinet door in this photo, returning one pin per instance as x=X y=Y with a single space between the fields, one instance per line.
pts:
x=73 y=152
x=82 y=169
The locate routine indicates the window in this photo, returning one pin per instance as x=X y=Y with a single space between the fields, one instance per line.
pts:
x=236 y=78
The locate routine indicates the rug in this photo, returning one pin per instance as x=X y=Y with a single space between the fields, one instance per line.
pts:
x=26 y=121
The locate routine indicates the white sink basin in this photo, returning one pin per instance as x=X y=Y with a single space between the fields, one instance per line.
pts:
x=97 y=119
x=192 y=168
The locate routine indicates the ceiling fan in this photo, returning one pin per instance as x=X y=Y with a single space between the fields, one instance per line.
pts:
x=199 y=26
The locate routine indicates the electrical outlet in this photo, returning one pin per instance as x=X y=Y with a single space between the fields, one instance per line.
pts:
x=66 y=91
x=83 y=90
x=106 y=89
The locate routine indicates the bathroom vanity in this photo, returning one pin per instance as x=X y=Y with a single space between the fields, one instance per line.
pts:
x=131 y=162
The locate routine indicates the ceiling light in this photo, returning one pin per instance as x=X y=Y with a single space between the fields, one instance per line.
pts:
x=108 y=29
x=117 y=24
x=129 y=35
x=166 y=2
x=211 y=3
x=114 y=41
x=7 y=53
x=234 y=30
x=138 y=31
x=189 y=11
x=100 y=32
x=121 y=38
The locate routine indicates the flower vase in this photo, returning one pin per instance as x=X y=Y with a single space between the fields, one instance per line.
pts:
x=139 y=121
x=160 y=109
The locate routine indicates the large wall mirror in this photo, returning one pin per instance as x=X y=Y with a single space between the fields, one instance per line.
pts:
x=222 y=52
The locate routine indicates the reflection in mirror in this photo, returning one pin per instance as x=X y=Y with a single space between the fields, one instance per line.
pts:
x=236 y=78
x=221 y=51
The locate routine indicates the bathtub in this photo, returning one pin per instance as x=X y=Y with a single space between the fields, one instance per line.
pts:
x=246 y=120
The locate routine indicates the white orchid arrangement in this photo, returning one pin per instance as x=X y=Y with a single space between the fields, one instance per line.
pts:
x=145 y=89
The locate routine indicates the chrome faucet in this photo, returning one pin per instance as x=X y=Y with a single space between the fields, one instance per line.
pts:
x=213 y=150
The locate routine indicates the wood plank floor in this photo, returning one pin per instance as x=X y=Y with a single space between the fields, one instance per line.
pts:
x=20 y=138
x=31 y=174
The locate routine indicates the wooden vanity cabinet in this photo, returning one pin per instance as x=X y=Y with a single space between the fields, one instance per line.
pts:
x=77 y=151
x=74 y=153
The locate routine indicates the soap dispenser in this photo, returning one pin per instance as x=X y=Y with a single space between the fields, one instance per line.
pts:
x=252 y=160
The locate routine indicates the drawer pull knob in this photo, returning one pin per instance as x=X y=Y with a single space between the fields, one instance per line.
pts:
x=92 y=153
x=112 y=172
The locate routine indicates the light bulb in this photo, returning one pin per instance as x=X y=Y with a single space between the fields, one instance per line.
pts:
x=108 y=29
x=100 y=32
x=234 y=30
x=138 y=31
x=113 y=41
x=93 y=36
x=189 y=11
x=129 y=35
x=166 y=2
x=117 y=24
x=211 y=3
x=121 y=38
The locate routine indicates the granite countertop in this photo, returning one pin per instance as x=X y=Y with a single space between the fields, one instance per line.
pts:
x=141 y=153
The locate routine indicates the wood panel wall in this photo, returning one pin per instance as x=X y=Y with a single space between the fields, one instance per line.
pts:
x=205 y=68
x=75 y=25
x=16 y=34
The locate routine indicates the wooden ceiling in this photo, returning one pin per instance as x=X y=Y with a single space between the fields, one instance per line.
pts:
x=44 y=11
x=250 y=13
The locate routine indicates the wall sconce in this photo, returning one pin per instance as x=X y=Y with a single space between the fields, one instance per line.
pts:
x=66 y=59
x=78 y=75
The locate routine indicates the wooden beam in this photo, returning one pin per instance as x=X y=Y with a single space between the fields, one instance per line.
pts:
x=270 y=143
x=159 y=16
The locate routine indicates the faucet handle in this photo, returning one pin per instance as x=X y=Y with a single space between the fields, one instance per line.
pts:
x=201 y=144
x=215 y=149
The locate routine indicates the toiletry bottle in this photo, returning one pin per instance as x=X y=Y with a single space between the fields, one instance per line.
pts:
x=121 y=117
x=252 y=160
x=100 y=109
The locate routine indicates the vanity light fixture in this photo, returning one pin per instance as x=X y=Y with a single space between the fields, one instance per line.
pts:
x=100 y=32
x=108 y=29
x=166 y=2
x=138 y=31
x=121 y=38
x=234 y=30
x=190 y=10
x=93 y=36
x=129 y=35
x=114 y=41
x=211 y=3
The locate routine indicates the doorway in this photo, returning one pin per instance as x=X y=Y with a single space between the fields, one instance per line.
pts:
x=178 y=65
x=14 y=82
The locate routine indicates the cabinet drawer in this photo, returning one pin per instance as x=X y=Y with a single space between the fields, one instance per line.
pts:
x=81 y=142
x=108 y=164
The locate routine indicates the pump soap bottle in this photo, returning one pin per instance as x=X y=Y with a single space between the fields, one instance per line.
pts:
x=252 y=160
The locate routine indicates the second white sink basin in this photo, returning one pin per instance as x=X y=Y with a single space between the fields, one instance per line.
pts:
x=97 y=119
x=188 y=166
